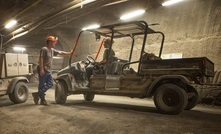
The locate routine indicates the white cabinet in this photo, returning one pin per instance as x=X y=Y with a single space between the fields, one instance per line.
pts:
x=16 y=64
x=23 y=64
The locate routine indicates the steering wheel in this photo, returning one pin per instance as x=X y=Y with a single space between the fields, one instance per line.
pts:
x=90 y=59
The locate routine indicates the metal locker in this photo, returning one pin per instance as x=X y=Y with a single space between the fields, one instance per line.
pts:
x=11 y=64
x=23 y=64
x=16 y=64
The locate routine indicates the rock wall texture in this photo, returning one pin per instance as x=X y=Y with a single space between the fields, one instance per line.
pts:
x=192 y=27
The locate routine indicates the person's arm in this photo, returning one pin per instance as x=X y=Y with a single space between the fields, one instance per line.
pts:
x=41 y=65
x=104 y=57
x=64 y=53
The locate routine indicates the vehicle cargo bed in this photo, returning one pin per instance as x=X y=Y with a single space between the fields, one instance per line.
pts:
x=200 y=66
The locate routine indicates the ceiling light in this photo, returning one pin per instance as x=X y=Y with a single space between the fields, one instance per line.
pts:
x=19 y=35
x=170 y=2
x=132 y=14
x=19 y=48
x=10 y=24
x=20 y=29
x=85 y=2
x=91 y=27
x=116 y=2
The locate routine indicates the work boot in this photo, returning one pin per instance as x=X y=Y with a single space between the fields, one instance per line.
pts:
x=35 y=97
x=43 y=102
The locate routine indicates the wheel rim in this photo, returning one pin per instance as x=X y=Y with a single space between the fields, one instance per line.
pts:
x=171 y=98
x=22 y=92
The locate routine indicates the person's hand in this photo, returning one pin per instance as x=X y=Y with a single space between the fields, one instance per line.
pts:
x=42 y=72
x=71 y=51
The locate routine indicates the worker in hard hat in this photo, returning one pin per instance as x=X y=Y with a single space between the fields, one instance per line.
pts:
x=44 y=68
x=108 y=53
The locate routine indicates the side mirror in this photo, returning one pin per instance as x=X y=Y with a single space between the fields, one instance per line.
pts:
x=98 y=37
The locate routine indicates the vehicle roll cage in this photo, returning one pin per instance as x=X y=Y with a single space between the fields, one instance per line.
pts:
x=125 y=29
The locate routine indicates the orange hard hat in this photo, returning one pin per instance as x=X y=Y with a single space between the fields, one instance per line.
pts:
x=52 y=38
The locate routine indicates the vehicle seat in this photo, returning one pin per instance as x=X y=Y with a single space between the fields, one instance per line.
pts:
x=115 y=67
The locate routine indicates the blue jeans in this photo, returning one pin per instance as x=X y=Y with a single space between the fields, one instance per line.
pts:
x=45 y=82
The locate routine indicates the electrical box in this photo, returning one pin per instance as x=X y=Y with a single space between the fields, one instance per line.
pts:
x=14 y=65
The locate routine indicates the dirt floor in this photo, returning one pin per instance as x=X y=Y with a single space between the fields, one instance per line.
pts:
x=105 y=115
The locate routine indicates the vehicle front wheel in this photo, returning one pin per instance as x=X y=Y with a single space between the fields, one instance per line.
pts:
x=89 y=97
x=170 y=99
x=60 y=93
x=20 y=93
x=193 y=101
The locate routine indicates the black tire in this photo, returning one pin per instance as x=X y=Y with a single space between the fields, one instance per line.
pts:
x=193 y=101
x=89 y=97
x=60 y=92
x=20 y=93
x=170 y=99
x=218 y=100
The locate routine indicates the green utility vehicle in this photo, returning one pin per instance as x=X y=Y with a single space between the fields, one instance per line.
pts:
x=170 y=82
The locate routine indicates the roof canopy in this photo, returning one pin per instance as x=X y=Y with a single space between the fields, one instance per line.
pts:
x=124 y=29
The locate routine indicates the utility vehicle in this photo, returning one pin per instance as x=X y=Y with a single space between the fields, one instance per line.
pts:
x=171 y=82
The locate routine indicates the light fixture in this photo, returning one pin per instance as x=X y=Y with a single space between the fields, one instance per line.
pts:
x=20 y=29
x=115 y=2
x=91 y=27
x=19 y=35
x=85 y=2
x=10 y=24
x=19 y=48
x=170 y=2
x=132 y=14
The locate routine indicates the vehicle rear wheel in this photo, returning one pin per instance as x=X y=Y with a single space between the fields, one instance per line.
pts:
x=170 y=99
x=60 y=92
x=89 y=97
x=20 y=93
